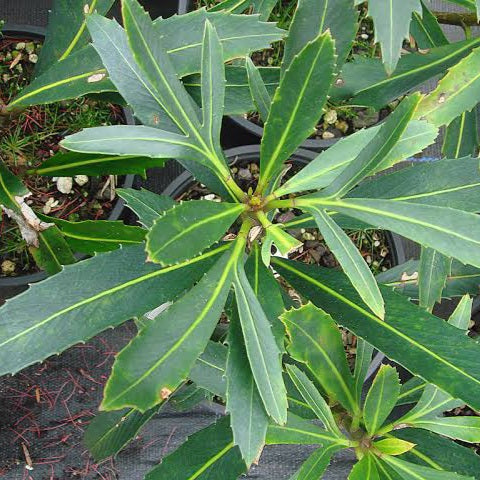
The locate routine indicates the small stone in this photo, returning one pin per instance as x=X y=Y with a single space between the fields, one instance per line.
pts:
x=81 y=180
x=376 y=243
x=330 y=117
x=30 y=47
x=65 y=185
x=8 y=267
x=33 y=57
x=20 y=46
x=328 y=135
x=369 y=259
x=47 y=208
x=244 y=174
x=308 y=236
x=364 y=36
x=343 y=126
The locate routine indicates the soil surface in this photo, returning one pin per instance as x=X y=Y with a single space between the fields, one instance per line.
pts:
x=32 y=137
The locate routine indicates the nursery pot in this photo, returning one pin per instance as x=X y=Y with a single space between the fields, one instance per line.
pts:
x=251 y=154
x=238 y=130
x=10 y=286
x=155 y=8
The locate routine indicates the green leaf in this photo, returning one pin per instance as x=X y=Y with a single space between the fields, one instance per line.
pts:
x=155 y=63
x=452 y=232
x=408 y=335
x=364 y=82
x=239 y=36
x=316 y=341
x=79 y=74
x=249 y=421
x=365 y=469
x=262 y=350
x=372 y=157
x=129 y=140
x=93 y=236
x=53 y=251
x=111 y=43
x=159 y=358
x=461 y=137
x=264 y=7
x=10 y=187
x=213 y=87
x=316 y=464
x=381 y=398
x=70 y=164
x=238 y=96
x=457 y=92
x=321 y=171
x=393 y=446
x=426 y=30
x=433 y=272
x=258 y=90
x=445 y=183
x=268 y=292
x=411 y=391
x=460 y=317
x=411 y=471
x=292 y=116
x=363 y=360
x=432 y=402
x=209 y=454
x=107 y=289
x=66 y=31
x=392 y=24
x=404 y=278
x=440 y=453
x=466 y=429
x=148 y=206
x=188 y=396
x=298 y=431
x=188 y=228
x=351 y=261
x=312 y=18
x=314 y=399
x=208 y=371
x=110 y=432
x=285 y=242
x=233 y=6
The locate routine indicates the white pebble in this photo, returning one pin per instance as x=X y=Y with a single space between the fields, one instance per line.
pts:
x=65 y=185
x=81 y=180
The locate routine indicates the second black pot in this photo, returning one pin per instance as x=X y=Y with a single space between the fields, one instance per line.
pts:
x=251 y=153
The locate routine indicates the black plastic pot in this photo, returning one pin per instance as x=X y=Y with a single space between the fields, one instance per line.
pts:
x=156 y=8
x=247 y=154
x=10 y=286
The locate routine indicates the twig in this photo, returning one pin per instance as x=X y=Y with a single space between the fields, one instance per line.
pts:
x=453 y=18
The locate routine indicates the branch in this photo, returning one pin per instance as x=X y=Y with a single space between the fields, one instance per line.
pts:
x=460 y=19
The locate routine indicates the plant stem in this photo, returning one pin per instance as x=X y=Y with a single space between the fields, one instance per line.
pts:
x=288 y=203
x=453 y=18
x=263 y=219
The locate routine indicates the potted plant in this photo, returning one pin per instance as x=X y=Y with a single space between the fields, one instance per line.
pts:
x=374 y=76
x=189 y=259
